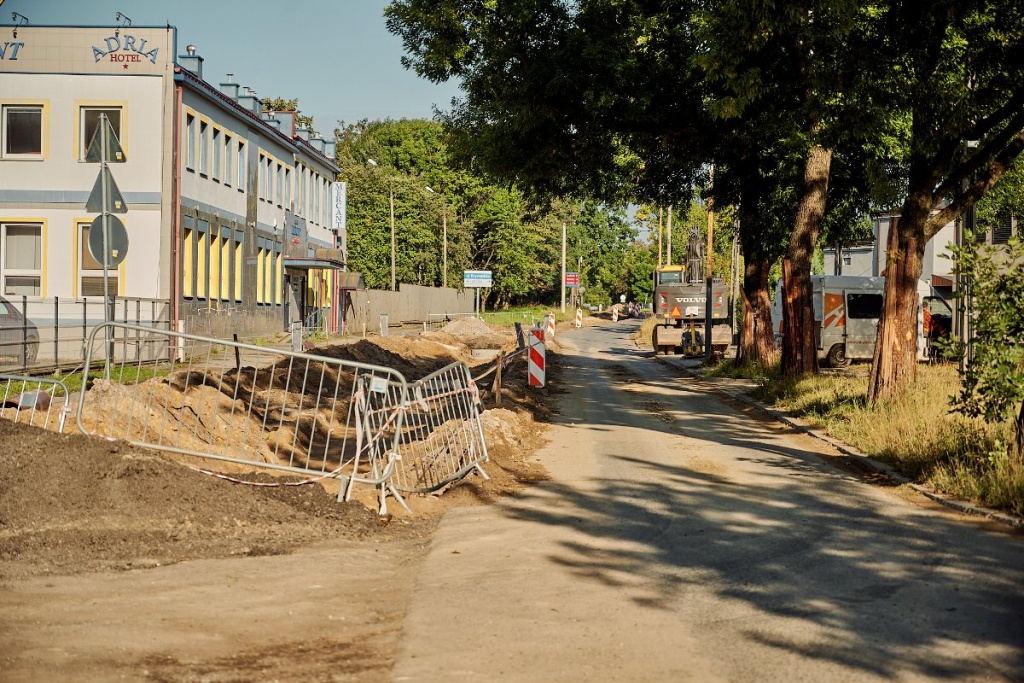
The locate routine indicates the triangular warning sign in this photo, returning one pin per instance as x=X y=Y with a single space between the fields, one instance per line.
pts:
x=114 y=201
x=113 y=153
x=675 y=313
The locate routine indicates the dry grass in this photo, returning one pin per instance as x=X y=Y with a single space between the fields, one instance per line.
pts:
x=917 y=434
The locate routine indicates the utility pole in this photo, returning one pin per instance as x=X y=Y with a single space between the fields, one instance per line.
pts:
x=444 y=249
x=668 y=255
x=562 y=287
x=659 y=237
x=391 y=200
x=711 y=230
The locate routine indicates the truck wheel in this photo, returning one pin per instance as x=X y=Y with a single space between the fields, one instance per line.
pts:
x=837 y=356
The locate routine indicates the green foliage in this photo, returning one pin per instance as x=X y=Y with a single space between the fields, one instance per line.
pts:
x=993 y=381
x=281 y=104
x=1003 y=201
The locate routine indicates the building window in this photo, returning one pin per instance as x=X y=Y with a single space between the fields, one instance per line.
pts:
x=261 y=257
x=22 y=258
x=229 y=159
x=91 y=124
x=280 y=183
x=23 y=131
x=203 y=260
x=190 y=142
x=226 y=254
x=278 y=276
x=314 y=214
x=238 y=266
x=243 y=174
x=288 y=187
x=188 y=281
x=216 y=154
x=90 y=272
x=271 y=186
x=204 y=147
x=262 y=176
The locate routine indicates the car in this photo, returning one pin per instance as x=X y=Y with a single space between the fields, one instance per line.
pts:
x=19 y=336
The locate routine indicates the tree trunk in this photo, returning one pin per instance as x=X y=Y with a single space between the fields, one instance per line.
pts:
x=894 y=364
x=799 y=352
x=757 y=341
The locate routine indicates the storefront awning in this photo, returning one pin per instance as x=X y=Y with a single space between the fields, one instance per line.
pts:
x=345 y=279
x=309 y=262
x=941 y=281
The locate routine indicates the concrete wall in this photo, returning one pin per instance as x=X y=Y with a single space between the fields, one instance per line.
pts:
x=410 y=304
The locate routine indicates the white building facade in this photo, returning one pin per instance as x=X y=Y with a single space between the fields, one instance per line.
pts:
x=232 y=214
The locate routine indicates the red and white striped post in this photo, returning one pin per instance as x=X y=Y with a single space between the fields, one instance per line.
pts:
x=549 y=323
x=536 y=361
x=579 y=317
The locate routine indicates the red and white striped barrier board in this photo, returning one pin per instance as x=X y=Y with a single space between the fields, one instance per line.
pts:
x=549 y=323
x=579 y=317
x=536 y=355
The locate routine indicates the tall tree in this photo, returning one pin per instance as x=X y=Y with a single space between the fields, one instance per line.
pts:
x=952 y=73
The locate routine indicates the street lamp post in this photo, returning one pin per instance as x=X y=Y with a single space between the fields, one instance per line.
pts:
x=391 y=204
x=444 y=239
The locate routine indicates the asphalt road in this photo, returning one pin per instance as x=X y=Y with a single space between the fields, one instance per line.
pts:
x=681 y=539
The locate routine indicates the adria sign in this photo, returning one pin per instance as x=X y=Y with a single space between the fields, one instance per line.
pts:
x=124 y=49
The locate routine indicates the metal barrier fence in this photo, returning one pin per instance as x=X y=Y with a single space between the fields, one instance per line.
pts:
x=442 y=437
x=38 y=332
x=41 y=402
x=288 y=411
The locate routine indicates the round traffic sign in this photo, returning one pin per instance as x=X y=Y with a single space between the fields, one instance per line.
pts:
x=117 y=241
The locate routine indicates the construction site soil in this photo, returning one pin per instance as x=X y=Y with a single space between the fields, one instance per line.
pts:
x=73 y=503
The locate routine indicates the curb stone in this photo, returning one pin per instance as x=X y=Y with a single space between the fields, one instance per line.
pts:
x=963 y=506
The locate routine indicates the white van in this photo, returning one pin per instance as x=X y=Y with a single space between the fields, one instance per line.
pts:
x=846 y=313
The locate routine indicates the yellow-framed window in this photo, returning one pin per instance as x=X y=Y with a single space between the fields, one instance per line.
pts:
x=188 y=261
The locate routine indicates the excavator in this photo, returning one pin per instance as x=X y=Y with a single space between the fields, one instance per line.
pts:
x=680 y=306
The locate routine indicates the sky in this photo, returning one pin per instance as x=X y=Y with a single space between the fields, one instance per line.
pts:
x=336 y=56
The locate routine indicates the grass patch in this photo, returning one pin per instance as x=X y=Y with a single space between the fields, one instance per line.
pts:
x=128 y=374
x=917 y=434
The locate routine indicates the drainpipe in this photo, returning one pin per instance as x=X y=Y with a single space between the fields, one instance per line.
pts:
x=176 y=213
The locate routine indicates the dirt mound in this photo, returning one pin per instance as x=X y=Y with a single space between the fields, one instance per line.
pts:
x=412 y=356
x=466 y=327
x=72 y=503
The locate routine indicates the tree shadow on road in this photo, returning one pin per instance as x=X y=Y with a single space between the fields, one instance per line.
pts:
x=857 y=578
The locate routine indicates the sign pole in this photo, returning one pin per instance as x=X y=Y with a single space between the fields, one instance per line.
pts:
x=107 y=302
x=562 y=288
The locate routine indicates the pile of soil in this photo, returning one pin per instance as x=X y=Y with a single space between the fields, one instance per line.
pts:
x=72 y=503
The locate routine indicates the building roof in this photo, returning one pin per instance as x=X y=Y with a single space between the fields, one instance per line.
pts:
x=214 y=94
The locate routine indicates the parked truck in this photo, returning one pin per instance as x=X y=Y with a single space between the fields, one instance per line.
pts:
x=846 y=313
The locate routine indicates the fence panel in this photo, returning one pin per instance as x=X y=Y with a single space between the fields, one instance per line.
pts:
x=442 y=437
x=279 y=410
x=37 y=401
x=52 y=332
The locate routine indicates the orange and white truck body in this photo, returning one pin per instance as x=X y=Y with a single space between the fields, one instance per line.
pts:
x=846 y=313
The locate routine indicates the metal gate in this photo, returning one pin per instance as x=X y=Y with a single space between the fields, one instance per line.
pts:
x=442 y=438
x=244 y=404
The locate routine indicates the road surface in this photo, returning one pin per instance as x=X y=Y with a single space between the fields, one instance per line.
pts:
x=680 y=539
